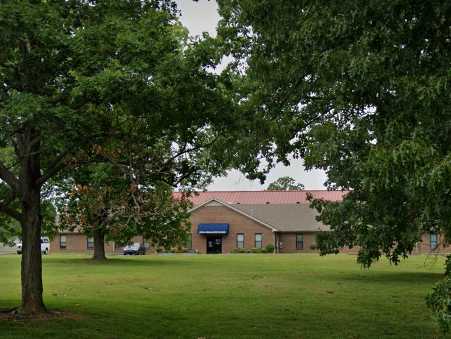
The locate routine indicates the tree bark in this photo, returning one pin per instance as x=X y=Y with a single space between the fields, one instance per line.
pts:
x=31 y=273
x=99 y=244
x=31 y=267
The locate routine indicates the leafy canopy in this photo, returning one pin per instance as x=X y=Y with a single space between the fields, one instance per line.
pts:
x=360 y=90
x=285 y=184
x=81 y=76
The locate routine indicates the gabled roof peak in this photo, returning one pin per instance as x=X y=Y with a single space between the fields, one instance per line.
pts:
x=222 y=203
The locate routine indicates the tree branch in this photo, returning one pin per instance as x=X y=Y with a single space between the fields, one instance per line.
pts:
x=7 y=176
x=186 y=150
x=53 y=169
x=11 y=195
x=6 y=209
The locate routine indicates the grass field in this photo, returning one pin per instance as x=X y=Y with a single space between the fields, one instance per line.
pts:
x=230 y=296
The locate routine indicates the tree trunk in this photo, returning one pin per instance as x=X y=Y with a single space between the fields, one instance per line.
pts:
x=32 y=301
x=99 y=244
x=31 y=268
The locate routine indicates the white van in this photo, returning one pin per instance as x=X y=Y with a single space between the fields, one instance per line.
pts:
x=45 y=246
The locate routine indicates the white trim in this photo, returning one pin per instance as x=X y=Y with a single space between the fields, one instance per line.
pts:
x=205 y=204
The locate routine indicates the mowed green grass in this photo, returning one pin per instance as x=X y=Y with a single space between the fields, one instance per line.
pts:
x=228 y=296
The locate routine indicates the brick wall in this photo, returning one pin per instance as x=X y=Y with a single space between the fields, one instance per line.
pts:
x=75 y=242
x=288 y=242
x=424 y=246
x=238 y=223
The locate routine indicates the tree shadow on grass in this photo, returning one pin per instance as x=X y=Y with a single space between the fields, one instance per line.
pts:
x=386 y=277
x=126 y=320
x=13 y=314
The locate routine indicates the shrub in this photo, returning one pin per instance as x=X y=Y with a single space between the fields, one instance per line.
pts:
x=258 y=250
x=240 y=250
x=269 y=248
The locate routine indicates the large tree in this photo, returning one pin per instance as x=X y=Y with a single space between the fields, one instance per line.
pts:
x=116 y=201
x=76 y=76
x=361 y=90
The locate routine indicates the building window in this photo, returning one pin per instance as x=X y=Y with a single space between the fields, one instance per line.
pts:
x=189 y=241
x=240 y=240
x=63 y=242
x=434 y=241
x=258 y=240
x=90 y=243
x=299 y=241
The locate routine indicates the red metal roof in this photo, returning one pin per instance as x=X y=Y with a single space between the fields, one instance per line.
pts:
x=264 y=197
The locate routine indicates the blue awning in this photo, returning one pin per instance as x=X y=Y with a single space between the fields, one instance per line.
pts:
x=213 y=228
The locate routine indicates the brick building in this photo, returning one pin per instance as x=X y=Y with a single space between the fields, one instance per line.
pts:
x=255 y=219
x=225 y=221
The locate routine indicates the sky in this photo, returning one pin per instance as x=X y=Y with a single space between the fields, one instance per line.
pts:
x=202 y=16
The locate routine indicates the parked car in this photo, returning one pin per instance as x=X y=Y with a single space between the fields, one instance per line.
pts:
x=45 y=246
x=134 y=249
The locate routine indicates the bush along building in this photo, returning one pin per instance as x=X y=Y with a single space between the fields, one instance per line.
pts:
x=247 y=221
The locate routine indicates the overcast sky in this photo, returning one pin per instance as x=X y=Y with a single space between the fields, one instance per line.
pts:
x=201 y=17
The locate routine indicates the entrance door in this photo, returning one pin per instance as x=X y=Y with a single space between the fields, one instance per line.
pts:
x=214 y=244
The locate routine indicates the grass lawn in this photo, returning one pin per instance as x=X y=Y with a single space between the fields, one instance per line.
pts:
x=230 y=296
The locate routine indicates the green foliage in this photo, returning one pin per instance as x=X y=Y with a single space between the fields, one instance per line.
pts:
x=269 y=248
x=285 y=184
x=121 y=202
x=362 y=92
x=439 y=301
x=258 y=250
x=116 y=75
x=448 y=265
x=240 y=250
x=9 y=230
